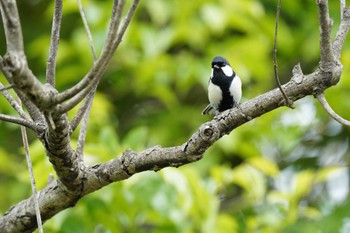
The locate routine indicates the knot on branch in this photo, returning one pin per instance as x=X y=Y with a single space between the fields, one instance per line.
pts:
x=50 y=90
x=298 y=75
x=13 y=64
x=209 y=132
x=128 y=163
x=331 y=76
x=346 y=13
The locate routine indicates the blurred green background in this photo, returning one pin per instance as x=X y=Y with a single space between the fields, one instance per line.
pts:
x=286 y=171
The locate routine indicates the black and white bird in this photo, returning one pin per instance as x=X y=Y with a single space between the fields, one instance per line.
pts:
x=224 y=88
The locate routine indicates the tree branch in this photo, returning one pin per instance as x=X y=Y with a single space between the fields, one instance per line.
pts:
x=87 y=29
x=100 y=65
x=62 y=156
x=326 y=52
x=330 y=111
x=13 y=103
x=12 y=26
x=74 y=101
x=275 y=66
x=125 y=25
x=19 y=121
x=342 y=6
x=112 y=42
x=83 y=113
x=84 y=110
x=84 y=124
x=341 y=33
x=55 y=36
x=33 y=111
x=14 y=63
x=4 y=88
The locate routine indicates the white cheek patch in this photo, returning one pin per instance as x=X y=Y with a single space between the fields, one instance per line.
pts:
x=214 y=95
x=227 y=70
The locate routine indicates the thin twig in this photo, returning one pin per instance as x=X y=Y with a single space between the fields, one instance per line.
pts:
x=32 y=109
x=289 y=103
x=84 y=110
x=115 y=36
x=342 y=6
x=13 y=102
x=18 y=121
x=31 y=175
x=114 y=27
x=126 y=23
x=81 y=112
x=70 y=104
x=4 y=88
x=100 y=65
x=330 y=111
x=55 y=36
x=87 y=29
x=85 y=121
x=82 y=132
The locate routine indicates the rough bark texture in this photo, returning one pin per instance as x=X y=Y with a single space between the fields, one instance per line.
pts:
x=53 y=128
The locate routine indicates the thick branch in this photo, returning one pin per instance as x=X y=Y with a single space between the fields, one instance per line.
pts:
x=12 y=26
x=33 y=111
x=61 y=154
x=326 y=52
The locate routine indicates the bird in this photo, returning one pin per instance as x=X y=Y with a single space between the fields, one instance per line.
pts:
x=224 y=87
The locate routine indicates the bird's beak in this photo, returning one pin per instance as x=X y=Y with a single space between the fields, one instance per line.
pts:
x=216 y=67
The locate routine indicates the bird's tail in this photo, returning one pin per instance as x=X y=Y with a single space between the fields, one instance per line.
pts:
x=209 y=110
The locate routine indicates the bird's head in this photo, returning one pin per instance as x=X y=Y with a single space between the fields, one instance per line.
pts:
x=220 y=63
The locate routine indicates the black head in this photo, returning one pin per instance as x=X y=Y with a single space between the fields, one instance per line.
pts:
x=219 y=62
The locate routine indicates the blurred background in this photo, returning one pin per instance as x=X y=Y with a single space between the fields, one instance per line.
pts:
x=286 y=171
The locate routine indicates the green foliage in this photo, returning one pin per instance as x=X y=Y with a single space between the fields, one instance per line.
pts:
x=283 y=172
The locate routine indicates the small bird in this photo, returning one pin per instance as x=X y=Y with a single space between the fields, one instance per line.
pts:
x=224 y=88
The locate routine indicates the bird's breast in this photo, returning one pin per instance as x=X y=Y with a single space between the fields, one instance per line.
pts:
x=214 y=94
